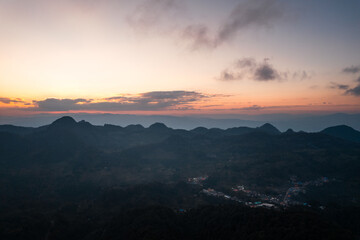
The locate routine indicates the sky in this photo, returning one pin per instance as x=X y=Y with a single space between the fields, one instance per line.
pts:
x=179 y=57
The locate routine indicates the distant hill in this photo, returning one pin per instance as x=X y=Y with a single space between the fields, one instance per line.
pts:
x=297 y=122
x=16 y=129
x=343 y=132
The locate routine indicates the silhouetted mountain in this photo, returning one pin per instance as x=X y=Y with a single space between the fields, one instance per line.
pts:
x=343 y=132
x=134 y=127
x=64 y=122
x=16 y=129
x=268 y=128
x=200 y=130
x=239 y=130
x=158 y=126
x=290 y=131
x=298 y=122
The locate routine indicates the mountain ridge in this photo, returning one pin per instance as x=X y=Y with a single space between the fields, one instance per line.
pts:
x=69 y=123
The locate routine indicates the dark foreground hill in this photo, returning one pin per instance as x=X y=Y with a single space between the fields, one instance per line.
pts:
x=157 y=222
x=343 y=132
x=62 y=179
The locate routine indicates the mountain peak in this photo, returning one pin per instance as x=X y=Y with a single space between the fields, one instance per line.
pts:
x=84 y=123
x=267 y=127
x=64 y=121
x=289 y=131
x=340 y=127
x=134 y=127
x=158 y=126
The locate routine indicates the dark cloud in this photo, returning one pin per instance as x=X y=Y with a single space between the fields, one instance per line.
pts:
x=266 y=72
x=259 y=71
x=10 y=100
x=53 y=104
x=251 y=13
x=150 y=101
x=358 y=80
x=339 y=86
x=352 y=69
x=354 y=91
x=347 y=89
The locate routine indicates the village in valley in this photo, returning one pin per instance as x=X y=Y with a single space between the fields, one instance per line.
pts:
x=253 y=198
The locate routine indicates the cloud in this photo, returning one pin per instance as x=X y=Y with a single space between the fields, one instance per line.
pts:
x=150 y=13
x=10 y=100
x=339 y=86
x=245 y=62
x=354 y=91
x=351 y=70
x=264 y=71
x=252 y=108
x=251 y=13
x=302 y=75
x=259 y=108
x=157 y=14
x=199 y=36
x=226 y=75
x=53 y=104
x=149 y=101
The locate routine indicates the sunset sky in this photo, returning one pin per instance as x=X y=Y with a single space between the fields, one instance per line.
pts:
x=179 y=57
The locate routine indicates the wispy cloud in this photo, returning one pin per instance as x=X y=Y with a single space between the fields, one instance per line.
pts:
x=10 y=100
x=351 y=69
x=264 y=71
x=339 y=86
x=155 y=14
x=258 y=13
x=353 y=91
x=149 y=14
x=279 y=107
x=227 y=75
x=347 y=89
x=252 y=108
x=251 y=13
x=199 y=36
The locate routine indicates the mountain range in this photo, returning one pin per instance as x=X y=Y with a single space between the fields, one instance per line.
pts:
x=297 y=122
x=158 y=152
x=75 y=180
